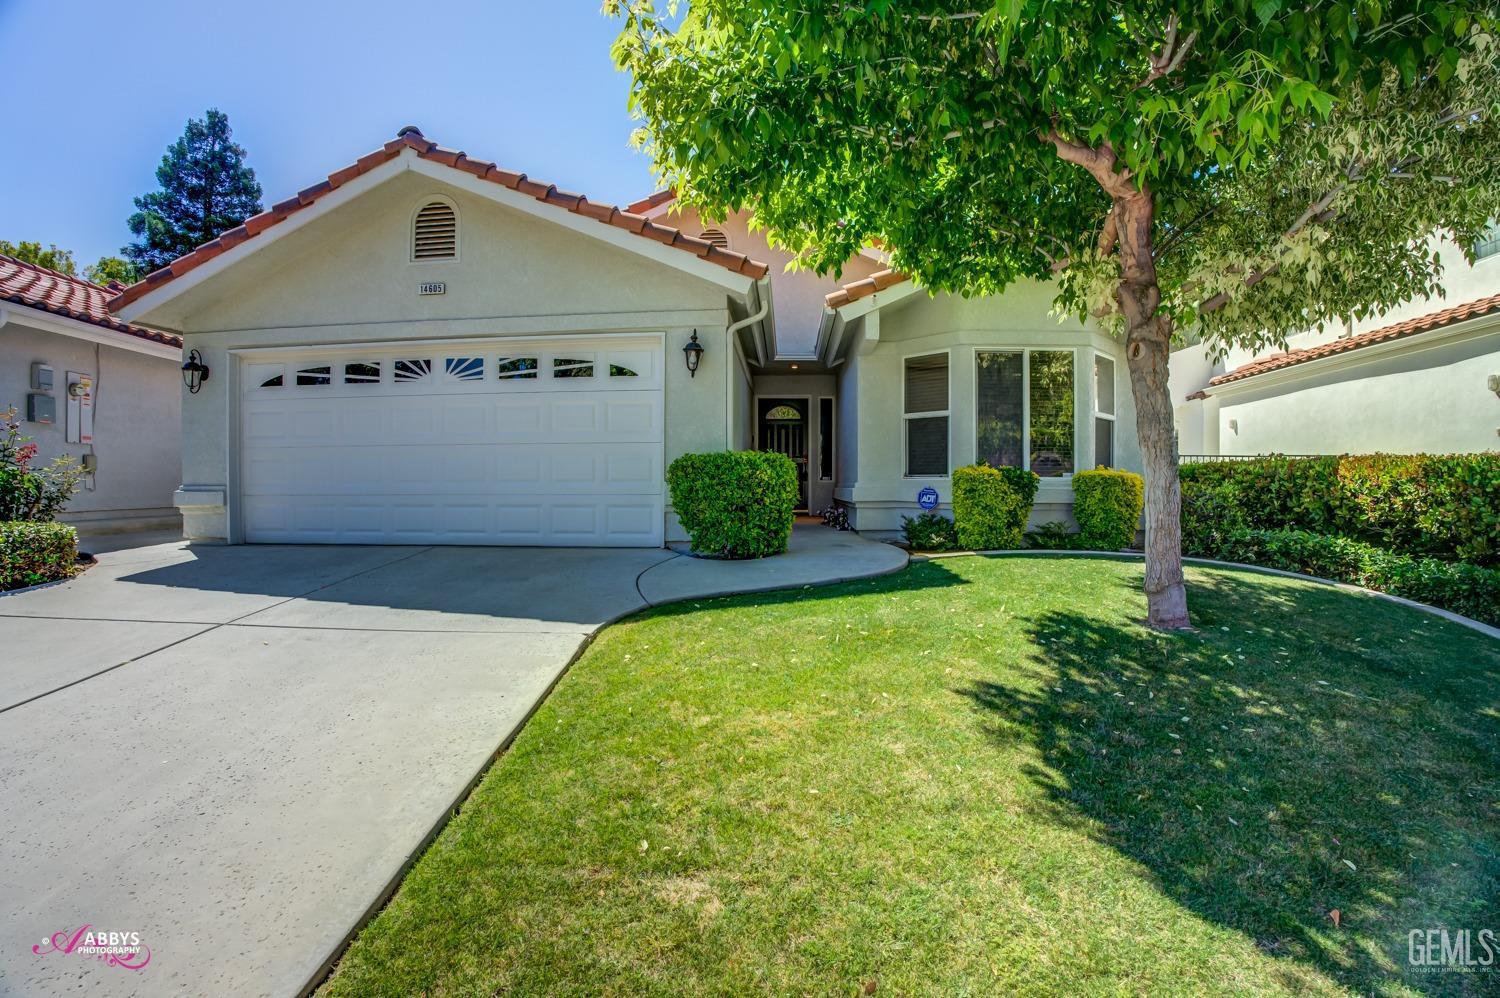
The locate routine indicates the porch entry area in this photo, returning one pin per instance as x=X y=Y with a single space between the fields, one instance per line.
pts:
x=802 y=428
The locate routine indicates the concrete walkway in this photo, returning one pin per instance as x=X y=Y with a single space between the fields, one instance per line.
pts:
x=236 y=751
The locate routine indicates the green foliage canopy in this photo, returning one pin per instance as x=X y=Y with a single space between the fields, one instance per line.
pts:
x=1299 y=153
x=50 y=257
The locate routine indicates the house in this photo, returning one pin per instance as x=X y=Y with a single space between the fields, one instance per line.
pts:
x=1424 y=377
x=86 y=385
x=427 y=348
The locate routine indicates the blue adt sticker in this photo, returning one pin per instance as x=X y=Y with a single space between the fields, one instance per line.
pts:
x=928 y=498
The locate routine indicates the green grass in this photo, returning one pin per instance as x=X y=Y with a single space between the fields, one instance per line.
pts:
x=974 y=777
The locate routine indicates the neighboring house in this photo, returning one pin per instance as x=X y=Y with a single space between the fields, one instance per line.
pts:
x=426 y=348
x=1424 y=377
x=87 y=385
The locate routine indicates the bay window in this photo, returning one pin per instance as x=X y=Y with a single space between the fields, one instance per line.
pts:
x=1024 y=410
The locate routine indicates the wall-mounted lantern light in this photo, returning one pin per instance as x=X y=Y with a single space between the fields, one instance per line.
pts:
x=194 y=372
x=693 y=353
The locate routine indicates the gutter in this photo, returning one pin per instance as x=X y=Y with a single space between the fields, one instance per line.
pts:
x=731 y=343
x=763 y=292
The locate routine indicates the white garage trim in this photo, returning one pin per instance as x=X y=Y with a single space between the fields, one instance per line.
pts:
x=549 y=441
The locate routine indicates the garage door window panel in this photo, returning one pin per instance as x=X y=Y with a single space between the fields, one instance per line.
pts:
x=362 y=373
x=517 y=368
x=315 y=377
x=408 y=371
x=580 y=366
x=464 y=368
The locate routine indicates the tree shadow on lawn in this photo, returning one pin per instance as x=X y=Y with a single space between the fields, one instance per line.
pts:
x=1247 y=766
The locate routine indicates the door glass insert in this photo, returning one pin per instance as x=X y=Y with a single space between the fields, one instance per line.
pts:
x=573 y=367
x=516 y=368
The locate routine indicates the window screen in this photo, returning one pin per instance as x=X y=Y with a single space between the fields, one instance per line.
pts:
x=927 y=384
x=1051 y=394
x=1104 y=442
x=926 y=412
x=1104 y=385
x=1000 y=408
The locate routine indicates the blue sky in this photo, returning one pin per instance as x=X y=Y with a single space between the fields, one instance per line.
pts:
x=309 y=87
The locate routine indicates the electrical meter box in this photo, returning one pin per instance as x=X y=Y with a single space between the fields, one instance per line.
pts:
x=41 y=408
x=41 y=377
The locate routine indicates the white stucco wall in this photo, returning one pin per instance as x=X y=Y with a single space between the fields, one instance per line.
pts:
x=798 y=294
x=1427 y=393
x=137 y=421
x=872 y=390
x=1435 y=400
x=346 y=278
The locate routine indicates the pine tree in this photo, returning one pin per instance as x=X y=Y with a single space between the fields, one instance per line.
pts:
x=206 y=189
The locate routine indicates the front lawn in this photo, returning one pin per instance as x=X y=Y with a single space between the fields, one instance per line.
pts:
x=977 y=776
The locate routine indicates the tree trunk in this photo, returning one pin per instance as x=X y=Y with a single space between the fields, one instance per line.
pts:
x=1148 y=344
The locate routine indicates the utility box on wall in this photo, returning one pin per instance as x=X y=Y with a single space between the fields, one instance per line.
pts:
x=41 y=409
x=80 y=428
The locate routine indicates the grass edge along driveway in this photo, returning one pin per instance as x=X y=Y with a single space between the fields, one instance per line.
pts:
x=975 y=776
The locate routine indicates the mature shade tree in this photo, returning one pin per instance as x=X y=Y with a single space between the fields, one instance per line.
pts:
x=206 y=189
x=112 y=268
x=1238 y=168
x=51 y=257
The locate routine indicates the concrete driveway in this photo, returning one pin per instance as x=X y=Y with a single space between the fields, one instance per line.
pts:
x=236 y=751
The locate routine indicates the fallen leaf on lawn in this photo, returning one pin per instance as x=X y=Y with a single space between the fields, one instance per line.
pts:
x=1351 y=866
x=1334 y=914
x=644 y=845
x=870 y=987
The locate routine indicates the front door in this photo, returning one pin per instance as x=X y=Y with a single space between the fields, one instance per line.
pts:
x=781 y=426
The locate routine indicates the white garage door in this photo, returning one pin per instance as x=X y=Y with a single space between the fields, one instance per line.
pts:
x=493 y=442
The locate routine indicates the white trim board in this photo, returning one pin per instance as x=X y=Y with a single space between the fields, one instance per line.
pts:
x=47 y=322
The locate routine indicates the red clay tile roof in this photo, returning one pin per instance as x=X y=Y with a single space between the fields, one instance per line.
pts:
x=650 y=201
x=1411 y=327
x=49 y=291
x=878 y=281
x=411 y=138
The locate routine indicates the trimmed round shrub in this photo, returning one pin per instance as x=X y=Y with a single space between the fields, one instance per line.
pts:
x=1107 y=505
x=32 y=553
x=991 y=506
x=930 y=532
x=735 y=504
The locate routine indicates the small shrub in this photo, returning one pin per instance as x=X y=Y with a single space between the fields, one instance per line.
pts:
x=32 y=553
x=1107 y=505
x=1055 y=535
x=1466 y=589
x=991 y=506
x=28 y=492
x=735 y=504
x=930 y=532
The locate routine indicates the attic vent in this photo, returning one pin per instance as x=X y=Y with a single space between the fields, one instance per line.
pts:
x=435 y=232
x=715 y=236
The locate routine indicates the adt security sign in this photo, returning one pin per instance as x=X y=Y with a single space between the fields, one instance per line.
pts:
x=928 y=498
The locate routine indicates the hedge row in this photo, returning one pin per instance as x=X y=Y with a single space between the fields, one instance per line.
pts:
x=32 y=553
x=1465 y=589
x=735 y=504
x=1443 y=506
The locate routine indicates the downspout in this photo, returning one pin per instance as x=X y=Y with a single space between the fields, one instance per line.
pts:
x=763 y=291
